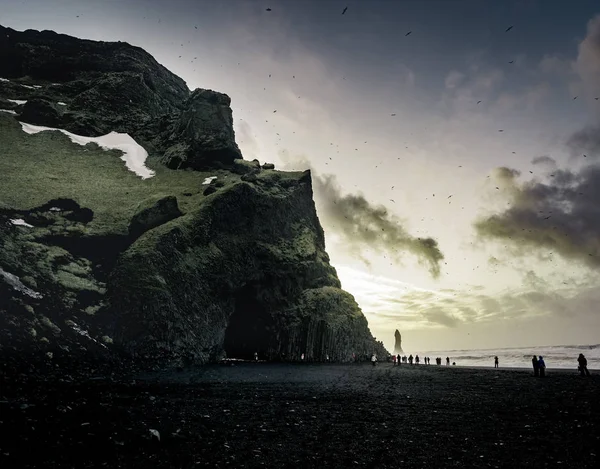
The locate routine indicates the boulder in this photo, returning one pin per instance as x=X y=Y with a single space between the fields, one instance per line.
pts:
x=240 y=166
x=268 y=166
x=153 y=212
x=39 y=111
x=210 y=190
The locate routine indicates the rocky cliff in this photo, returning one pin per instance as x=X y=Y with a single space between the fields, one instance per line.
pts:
x=204 y=255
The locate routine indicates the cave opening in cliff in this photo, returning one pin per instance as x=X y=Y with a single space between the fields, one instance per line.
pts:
x=250 y=327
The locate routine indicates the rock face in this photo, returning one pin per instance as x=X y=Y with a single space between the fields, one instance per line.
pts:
x=224 y=258
x=203 y=134
x=398 y=343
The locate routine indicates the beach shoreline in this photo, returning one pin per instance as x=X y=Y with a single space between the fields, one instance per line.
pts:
x=304 y=415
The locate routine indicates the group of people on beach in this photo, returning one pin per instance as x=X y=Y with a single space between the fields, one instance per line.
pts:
x=539 y=366
x=397 y=360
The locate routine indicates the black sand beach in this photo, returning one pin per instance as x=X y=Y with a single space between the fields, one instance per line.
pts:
x=285 y=415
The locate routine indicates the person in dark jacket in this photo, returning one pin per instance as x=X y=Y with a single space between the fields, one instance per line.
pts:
x=496 y=362
x=583 y=370
x=536 y=366
x=542 y=366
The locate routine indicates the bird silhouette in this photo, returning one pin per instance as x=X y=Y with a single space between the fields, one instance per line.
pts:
x=408 y=33
x=268 y=9
x=478 y=102
x=511 y=62
x=344 y=10
x=575 y=97
x=508 y=29
x=393 y=115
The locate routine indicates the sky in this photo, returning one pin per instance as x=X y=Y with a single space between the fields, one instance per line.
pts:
x=455 y=161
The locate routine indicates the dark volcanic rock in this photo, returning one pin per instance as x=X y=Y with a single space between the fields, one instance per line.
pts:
x=203 y=134
x=244 y=167
x=210 y=190
x=39 y=111
x=97 y=264
x=113 y=86
x=398 y=343
x=152 y=213
x=260 y=281
x=57 y=58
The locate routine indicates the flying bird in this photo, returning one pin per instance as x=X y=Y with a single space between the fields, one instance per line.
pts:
x=508 y=29
x=511 y=62
x=501 y=131
x=408 y=33
x=478 y=102
x=393 y=115
x=545 y=218
x=344 y=11
x=268 y=9
x=575 y=97
x=596 y=99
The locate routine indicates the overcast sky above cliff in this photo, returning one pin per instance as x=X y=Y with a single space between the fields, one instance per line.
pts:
x=420 y=125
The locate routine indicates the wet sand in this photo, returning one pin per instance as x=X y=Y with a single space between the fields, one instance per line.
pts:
x=287 y=415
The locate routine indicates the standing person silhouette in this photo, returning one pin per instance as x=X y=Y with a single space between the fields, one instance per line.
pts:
x=536 y=366
x=447 y=361
x=496 y=362
x=542 y=366
x=583 y=370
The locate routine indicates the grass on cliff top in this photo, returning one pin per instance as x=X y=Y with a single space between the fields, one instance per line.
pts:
x=37 y=168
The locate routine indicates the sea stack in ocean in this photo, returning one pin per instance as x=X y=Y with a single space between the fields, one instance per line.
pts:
x=209 y=256
x=398 y=344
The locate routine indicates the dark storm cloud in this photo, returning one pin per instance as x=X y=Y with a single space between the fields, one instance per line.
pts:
x=437 y=315
x=362 y=224
x=561 y=216
x=585 y=142
x=365 y=225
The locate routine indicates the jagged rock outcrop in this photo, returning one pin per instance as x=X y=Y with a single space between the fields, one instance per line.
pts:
x=398 y=343
x=227 y=257
x=203 y=135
